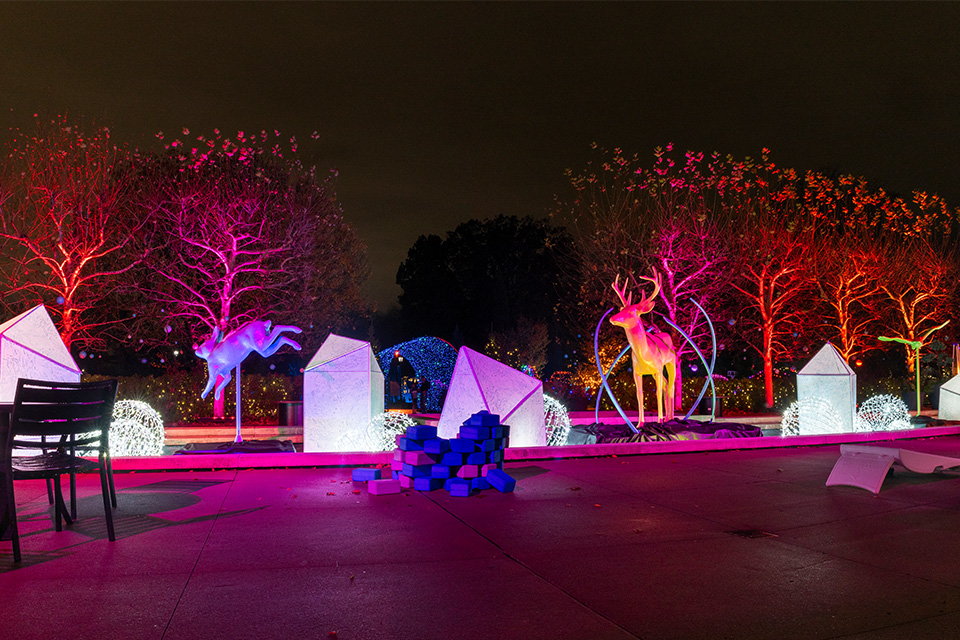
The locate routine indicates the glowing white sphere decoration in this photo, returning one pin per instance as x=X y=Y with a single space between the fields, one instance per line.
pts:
x=136 y=430
x=819 y=416
x=883 y=413
x=380 y=435
x=556 y=421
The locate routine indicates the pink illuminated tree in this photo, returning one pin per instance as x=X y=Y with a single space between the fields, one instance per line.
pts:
x=630 y=217
x=250 y=234
x=67 y=223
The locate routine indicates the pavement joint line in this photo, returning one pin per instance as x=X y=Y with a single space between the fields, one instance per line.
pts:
x=203 y=545
x=530 y=570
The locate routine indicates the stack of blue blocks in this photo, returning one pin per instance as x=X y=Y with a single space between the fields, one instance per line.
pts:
x=461 y=465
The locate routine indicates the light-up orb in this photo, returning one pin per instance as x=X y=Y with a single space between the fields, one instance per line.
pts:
x=819 y=416
x=556 y=421
x=883 y=413
x=380 y=435
x=136 y=430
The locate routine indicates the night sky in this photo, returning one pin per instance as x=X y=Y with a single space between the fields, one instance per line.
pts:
x=437 y=113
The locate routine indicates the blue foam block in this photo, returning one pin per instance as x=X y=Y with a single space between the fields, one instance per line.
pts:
x=479 y=484
x=365 y=475
x=483 y=419
x=427 y=484
x=500 y=432
x=458 y=487
x=442 y=471
x=471 y=432
x=396 y=475
x=500 y=481
x=488 y=445
x=462 y=445
x=408 y=444
x=436 y=445
x=417 y=471
x=477 y=458
x=495 y=457
x=453 y=459
x=421 y=432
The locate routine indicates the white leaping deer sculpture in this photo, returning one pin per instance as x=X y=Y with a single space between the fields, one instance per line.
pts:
x=652 y=352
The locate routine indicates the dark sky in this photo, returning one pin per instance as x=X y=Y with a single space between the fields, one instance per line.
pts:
x=437 y=113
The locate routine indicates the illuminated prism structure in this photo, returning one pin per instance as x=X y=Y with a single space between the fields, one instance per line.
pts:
x=827 y=376
x=950 y=399
x=342 y=392
x=482 y=383
x=31 y=347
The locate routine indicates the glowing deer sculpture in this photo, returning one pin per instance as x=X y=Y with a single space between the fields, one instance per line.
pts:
x=652 y=351
x=223 y=353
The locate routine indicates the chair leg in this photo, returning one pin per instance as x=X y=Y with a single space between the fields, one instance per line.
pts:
x=73 y=496
x=107 y=510
x=10 y=519
x=113 y=487
x=50 y=490
x=59 y=506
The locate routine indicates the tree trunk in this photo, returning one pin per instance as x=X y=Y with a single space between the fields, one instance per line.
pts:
x=768 y=378
x=678 y=389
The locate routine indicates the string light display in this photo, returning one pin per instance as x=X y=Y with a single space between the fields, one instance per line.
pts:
x=431 y=358
x=380 y=435
x=817 y=414
x=882 y=413
x=556 y=421
x=136 y=430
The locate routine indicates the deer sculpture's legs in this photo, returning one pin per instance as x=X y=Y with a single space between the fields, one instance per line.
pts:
x=658 y=379
x=670 y=392
x=638 y=382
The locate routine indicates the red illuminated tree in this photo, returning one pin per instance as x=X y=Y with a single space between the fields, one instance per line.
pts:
x=918 y=288
x=849 y=271
x=67 y=224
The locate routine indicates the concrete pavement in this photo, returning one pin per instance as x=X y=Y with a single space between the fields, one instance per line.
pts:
x=727 y=544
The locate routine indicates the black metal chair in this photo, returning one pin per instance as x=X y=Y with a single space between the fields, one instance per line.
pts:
x=55 y=419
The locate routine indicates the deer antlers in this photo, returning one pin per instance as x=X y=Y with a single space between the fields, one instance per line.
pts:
x=629 y=297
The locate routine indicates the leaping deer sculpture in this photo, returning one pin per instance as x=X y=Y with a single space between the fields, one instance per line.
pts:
x=652 y=352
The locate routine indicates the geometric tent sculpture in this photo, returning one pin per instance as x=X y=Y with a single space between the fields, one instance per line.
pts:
x=342 y=392
x=950 y=399
x=31 y=347
x=827 y=376
x=480 y=382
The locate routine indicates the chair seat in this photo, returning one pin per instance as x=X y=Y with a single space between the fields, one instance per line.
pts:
x=30 y=467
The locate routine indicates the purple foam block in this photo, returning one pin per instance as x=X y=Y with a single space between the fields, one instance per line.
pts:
x=383 y=487
x=462 y=445
x=479 y=484
x=421 y=432
x=469 y=471
x=427 y=484
x=471 y=432
x=418 y=458
x=365 y=475
x=459 y=488
x=500 y=481
x=408 y=444
x=416 y=471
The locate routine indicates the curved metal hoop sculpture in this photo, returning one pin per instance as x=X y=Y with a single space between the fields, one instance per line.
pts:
x=709 y=368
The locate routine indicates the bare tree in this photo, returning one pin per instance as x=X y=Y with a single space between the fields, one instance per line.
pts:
x=250 y=234
x=918 y=286
x=848 y=275
x=67 y=223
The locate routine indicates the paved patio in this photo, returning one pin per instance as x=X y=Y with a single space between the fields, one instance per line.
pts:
x=613 y=547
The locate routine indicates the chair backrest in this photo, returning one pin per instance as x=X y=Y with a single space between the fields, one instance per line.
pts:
x=77 y=414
